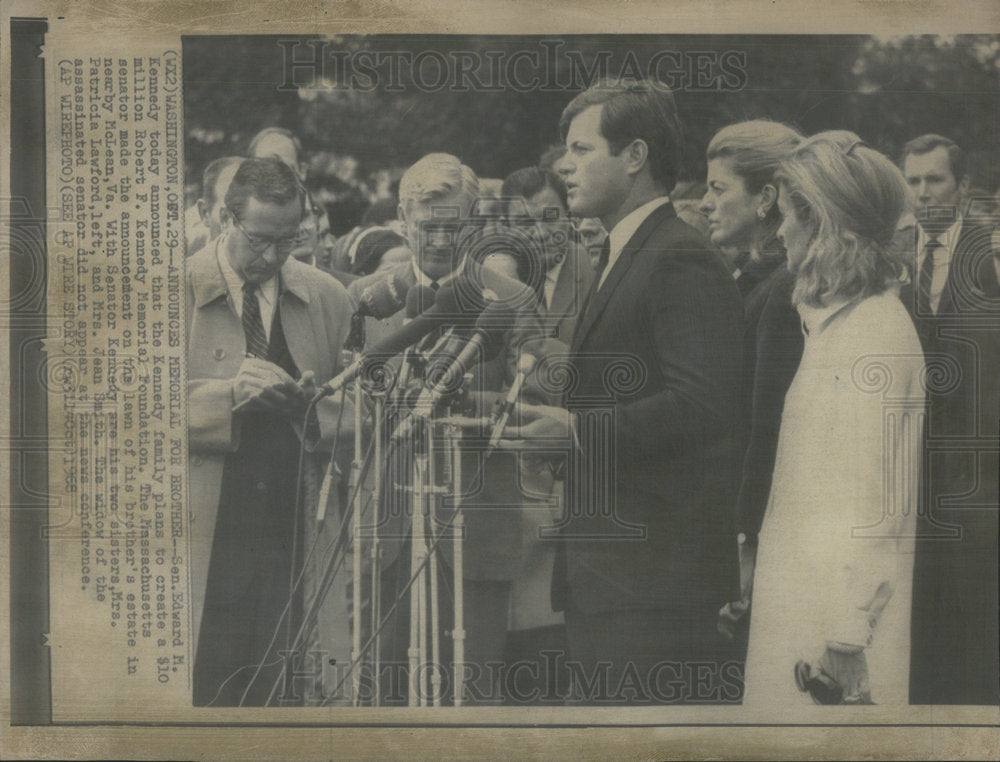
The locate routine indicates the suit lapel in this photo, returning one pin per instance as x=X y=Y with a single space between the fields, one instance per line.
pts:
x=964 y=247
x=598 y=299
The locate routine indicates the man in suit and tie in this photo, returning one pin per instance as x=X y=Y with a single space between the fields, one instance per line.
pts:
x=440 y=183
x=649 y=542
x=954 y=298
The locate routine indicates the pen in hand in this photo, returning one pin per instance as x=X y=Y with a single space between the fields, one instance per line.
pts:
x=305 y=379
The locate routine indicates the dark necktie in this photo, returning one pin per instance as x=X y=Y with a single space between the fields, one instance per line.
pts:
x=602 y=263
x=926 y=277
x=253 y=326
x=435 y=285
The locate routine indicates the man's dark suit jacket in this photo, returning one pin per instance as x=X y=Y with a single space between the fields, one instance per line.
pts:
x=658 y=349
x=954 y=652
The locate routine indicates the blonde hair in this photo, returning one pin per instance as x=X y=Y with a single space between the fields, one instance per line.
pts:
x=437 y=176
x=754 y=150
x=852 y=196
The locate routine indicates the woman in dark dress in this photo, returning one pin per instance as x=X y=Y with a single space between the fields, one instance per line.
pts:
x=742 y=210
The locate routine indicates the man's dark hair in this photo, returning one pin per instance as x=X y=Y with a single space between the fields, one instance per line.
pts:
x=276 y=131
x=635 y=109
x=927 y=143
x=210 y=177
x=530 y=181
x=268 y=180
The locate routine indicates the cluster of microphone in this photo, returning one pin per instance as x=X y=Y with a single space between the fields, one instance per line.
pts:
x=472 y=323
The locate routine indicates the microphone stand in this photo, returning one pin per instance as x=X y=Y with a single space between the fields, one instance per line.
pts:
x=379 y=413
x=435 y=674
x=454 y=439
x=356 y=343
x=418 y=554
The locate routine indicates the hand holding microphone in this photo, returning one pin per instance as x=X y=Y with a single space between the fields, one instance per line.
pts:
x=524 y=368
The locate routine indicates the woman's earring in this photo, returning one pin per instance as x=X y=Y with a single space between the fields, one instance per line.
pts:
x=761 y=214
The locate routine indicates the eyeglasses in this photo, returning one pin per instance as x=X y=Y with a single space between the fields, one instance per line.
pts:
x=260 y=244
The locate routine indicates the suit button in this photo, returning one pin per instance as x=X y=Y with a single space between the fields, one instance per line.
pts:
x=261 y=487
x=196 y=460
x=219 y=354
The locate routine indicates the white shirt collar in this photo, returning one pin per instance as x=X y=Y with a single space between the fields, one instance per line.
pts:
x=625 y=229
x=267 y=292
x=947 y=239
x=552 y=273
x=424 y=280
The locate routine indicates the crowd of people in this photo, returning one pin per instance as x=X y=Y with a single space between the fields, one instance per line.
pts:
x=769 y=476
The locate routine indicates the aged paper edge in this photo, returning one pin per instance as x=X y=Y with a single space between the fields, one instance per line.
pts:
x=685 y=737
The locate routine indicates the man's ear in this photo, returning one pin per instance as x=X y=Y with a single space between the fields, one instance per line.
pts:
x=768 y=197
x=636 y=154
x=204 y=212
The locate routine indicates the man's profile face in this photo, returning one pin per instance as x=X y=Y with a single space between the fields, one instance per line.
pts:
x=308 y=235
x=212 y=217
x=596 y=181
x=259 y=243
x=435 y=248
x=931 y=180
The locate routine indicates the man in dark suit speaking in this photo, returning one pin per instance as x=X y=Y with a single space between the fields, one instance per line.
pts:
x=649 y=546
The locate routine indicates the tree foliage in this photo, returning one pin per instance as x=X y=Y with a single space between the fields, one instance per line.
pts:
x=887 y=90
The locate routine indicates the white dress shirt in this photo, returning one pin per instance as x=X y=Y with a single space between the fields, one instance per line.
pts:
x=551 y=278
x=626 y=228
x=267 y=292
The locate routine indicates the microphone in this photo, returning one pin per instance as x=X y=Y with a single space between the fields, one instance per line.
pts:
x=524 y=368
x=485 y=343
x=385 y=297
x=447 y=309
x=417 y=300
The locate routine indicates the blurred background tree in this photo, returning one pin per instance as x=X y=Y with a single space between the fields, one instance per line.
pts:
x=359 y=140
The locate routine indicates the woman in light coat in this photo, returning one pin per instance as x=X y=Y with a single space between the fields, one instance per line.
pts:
x=831 y=601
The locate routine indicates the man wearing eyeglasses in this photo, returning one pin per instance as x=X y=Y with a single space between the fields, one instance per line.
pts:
x=263 y=331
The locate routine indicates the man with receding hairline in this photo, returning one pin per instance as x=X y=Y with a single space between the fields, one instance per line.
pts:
x=440 y=183
x=264 y=331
